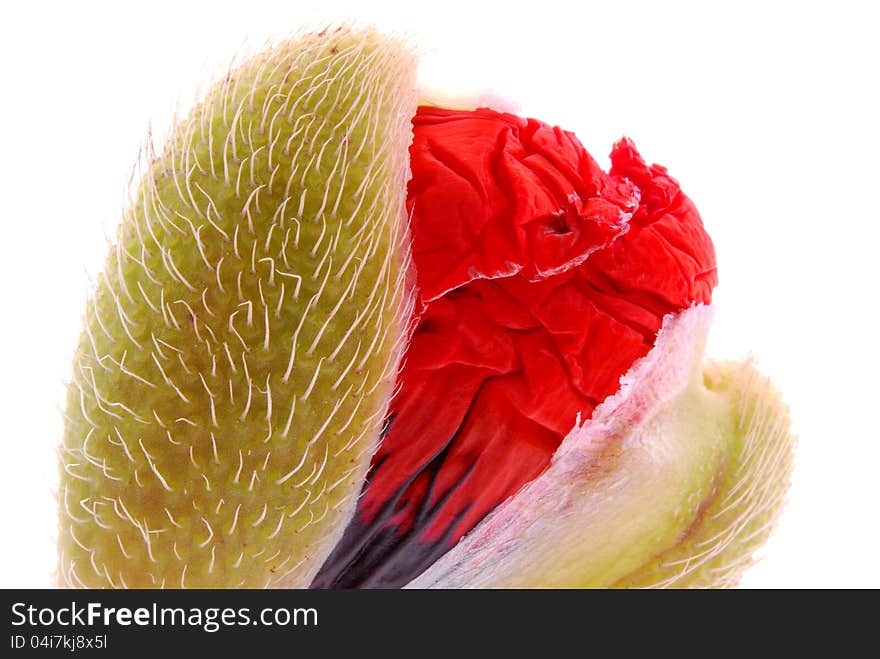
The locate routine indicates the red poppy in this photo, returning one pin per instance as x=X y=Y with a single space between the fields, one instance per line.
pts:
x=542 y=279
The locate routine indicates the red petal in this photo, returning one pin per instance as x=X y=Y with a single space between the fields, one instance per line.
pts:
x=496 y=194
x=540 y=293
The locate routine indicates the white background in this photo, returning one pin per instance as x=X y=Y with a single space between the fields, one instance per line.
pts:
x=766 y=112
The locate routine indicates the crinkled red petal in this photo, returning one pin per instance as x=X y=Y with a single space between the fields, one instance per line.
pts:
x=543 y=279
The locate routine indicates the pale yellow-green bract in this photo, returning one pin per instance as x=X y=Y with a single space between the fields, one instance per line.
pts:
x=243 y=339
